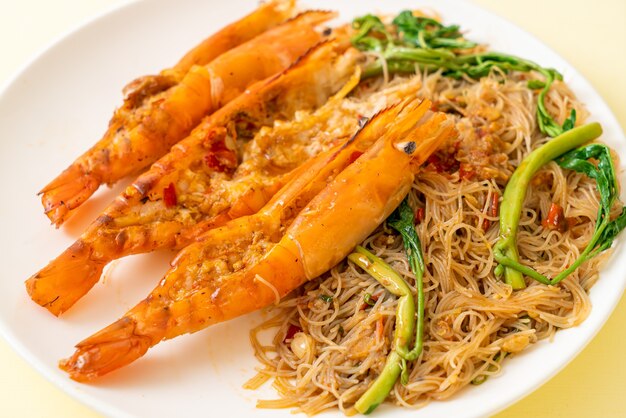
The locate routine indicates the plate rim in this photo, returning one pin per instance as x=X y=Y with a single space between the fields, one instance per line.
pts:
x=109 y=409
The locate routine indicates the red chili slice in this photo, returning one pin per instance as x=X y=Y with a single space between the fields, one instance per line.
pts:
x=419 y=215
x=211 y=161
x=492 y=210
x=291 y=331
x=365 y=305
x=221 y=160
x=441 y=162
x=556 y=219
x=169 y=195
x=495 y=202
x=466 y=173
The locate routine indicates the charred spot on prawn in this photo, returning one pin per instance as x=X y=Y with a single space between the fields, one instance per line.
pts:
x=410 y=147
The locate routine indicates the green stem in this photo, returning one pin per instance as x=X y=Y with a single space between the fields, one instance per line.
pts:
x=405 y=322
x=505 y=251
x=402 y=220
x=584 y=256
x=403 y=59
x=378 y=391
x=395 y=67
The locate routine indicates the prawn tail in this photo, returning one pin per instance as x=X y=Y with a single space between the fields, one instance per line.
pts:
x=67 y=192
x=113 y=347
x=65 y=279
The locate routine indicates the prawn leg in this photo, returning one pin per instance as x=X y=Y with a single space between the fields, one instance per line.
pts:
x=303 y=231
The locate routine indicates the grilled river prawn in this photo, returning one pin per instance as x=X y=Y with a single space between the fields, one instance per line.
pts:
x=255 y=260
x=160 y=111
x=161 y=208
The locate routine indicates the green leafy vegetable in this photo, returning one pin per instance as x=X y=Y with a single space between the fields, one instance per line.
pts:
x=372 y=34
x=425 y=32
x=429 y=45
x=603 y=173
x=570 y=121
x=326 y=298
x=341 y=331
x=369 y=300
x=561 y=149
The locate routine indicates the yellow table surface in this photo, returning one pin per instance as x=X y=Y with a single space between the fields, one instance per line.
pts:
x=591 y=35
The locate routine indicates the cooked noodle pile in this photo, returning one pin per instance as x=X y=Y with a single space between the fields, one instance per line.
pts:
x=330 y=344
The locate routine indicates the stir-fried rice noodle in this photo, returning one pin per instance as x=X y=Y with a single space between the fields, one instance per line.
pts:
x=472 y=317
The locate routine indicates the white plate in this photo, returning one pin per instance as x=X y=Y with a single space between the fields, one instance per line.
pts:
x=60 y=104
